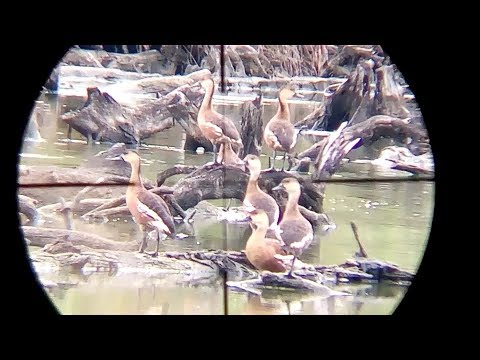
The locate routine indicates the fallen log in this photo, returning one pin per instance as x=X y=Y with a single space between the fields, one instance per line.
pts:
x=144 y=62
x=40 y=236
x=403 y=131
x=215 y=181
x=26 y=206
x=60 y=254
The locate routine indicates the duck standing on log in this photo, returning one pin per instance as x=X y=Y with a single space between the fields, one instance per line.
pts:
x=148 y=209
x=227 y=156
x=260 y=250
x=279 y=133
x=295 y=231
x=213 y=125
x=256 y=198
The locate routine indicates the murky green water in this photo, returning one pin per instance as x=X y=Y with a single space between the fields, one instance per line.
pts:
x=393 y=220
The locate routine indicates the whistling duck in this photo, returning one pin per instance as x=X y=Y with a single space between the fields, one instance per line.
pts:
x=148 y=209
x=295 y=231
x=260 y=250
x=279 y=134
x=214 y=126
x=255 y=197
x=227 y=156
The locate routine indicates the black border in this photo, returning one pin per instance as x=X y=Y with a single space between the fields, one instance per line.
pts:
x=415 y=59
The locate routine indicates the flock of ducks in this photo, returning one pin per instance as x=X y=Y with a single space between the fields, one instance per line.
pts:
x=272 y=241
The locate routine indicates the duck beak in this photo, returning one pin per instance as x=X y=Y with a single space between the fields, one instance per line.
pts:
x=278 y=187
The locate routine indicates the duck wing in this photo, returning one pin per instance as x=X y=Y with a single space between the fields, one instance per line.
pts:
x=156 y=208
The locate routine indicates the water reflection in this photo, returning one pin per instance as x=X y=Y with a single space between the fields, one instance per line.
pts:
x=366 y=299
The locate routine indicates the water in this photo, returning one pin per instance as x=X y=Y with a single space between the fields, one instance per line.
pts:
x=393 y=221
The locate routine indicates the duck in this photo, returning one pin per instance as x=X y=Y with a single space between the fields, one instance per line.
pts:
x=227 y=156
x=260 y=250
x=256 y=198
x=148 y=210
x=279 y=133
x=213 y=125
x=295 y=231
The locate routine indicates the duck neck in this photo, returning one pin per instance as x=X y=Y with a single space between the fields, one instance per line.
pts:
x=207 y=99
x=253 y=182
x=135 y=178
x=259 y=233
x=291 y=209
x=283 y=109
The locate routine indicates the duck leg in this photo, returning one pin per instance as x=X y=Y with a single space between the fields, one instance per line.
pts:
x=155 y=254
x=291 y=270
x=214 y=153
x=144 y=241
x=271 y=161
x=284 y=157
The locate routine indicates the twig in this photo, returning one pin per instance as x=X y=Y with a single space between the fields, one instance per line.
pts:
x=81 y=193
x=67 y=214
x=363 y=253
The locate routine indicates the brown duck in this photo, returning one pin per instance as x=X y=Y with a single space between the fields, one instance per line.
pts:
x=279 y=133
x=262 y=251
x=148 y=209
x=256 y=198
x=227 y=156
x=214 y=126
x=295 y=231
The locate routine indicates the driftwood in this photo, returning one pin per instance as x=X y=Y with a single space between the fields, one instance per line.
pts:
x=251 y=127
x=413 y=137
x=72 y=253
x=331 y=151
x=214 y=181
x=240 y=60
x=26 y=206
x=344 y=58
x=311 y=119
x=145 y=62
x=401 y=158
x=374 y=87
x=40 y=236
x=102 y=118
